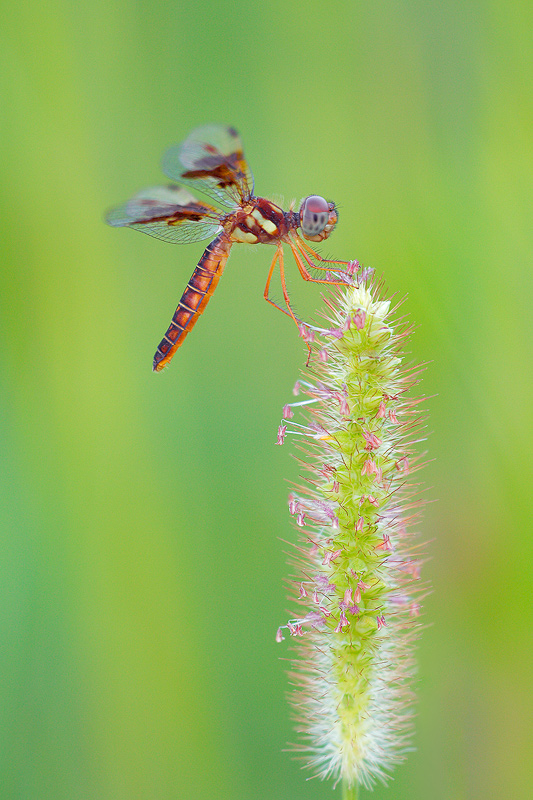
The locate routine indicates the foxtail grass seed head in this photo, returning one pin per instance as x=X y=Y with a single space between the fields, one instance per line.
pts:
x=357 y=571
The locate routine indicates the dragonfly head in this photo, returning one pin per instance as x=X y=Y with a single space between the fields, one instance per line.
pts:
x=317 y=218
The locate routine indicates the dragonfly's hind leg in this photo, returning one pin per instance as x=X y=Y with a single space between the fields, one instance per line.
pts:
x=267 y=287
x=278 y=258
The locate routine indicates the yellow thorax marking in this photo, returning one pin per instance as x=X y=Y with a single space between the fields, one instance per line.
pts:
x=266 y=224
x=239 y=235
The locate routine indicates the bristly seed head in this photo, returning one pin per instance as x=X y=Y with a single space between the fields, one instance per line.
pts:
x=356 y=579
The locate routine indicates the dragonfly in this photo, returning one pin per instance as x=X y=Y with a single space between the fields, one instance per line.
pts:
x=211 y=161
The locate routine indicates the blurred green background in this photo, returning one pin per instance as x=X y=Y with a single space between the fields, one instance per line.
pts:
x=142 y=573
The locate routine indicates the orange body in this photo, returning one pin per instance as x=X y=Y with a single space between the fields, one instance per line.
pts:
x=194 y=299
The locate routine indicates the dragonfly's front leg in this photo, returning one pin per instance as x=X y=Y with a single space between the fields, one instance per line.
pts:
x=304 y=272
x=306 y=249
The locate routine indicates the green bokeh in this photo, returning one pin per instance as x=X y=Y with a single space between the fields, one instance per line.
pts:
x=142 y=573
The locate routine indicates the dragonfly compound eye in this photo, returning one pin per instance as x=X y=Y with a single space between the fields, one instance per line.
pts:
x=314 y=216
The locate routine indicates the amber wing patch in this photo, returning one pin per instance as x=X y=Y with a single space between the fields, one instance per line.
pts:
x=212 y=158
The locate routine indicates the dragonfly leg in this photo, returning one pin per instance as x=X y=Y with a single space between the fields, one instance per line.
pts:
x=286 y=295
x=267 y=287
x=304 y=272
x=305 y=248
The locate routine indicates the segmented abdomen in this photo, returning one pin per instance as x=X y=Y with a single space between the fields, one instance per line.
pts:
x=194 y=299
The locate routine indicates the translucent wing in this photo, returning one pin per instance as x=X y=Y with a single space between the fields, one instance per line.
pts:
x=167 y=212
x=212 y=159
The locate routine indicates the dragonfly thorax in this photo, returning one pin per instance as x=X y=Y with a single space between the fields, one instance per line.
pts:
x=259 y=221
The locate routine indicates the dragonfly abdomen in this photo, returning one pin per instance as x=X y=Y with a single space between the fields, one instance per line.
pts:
x=194 y=299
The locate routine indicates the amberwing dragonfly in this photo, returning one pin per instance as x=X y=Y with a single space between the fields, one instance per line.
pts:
x=211 y=160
